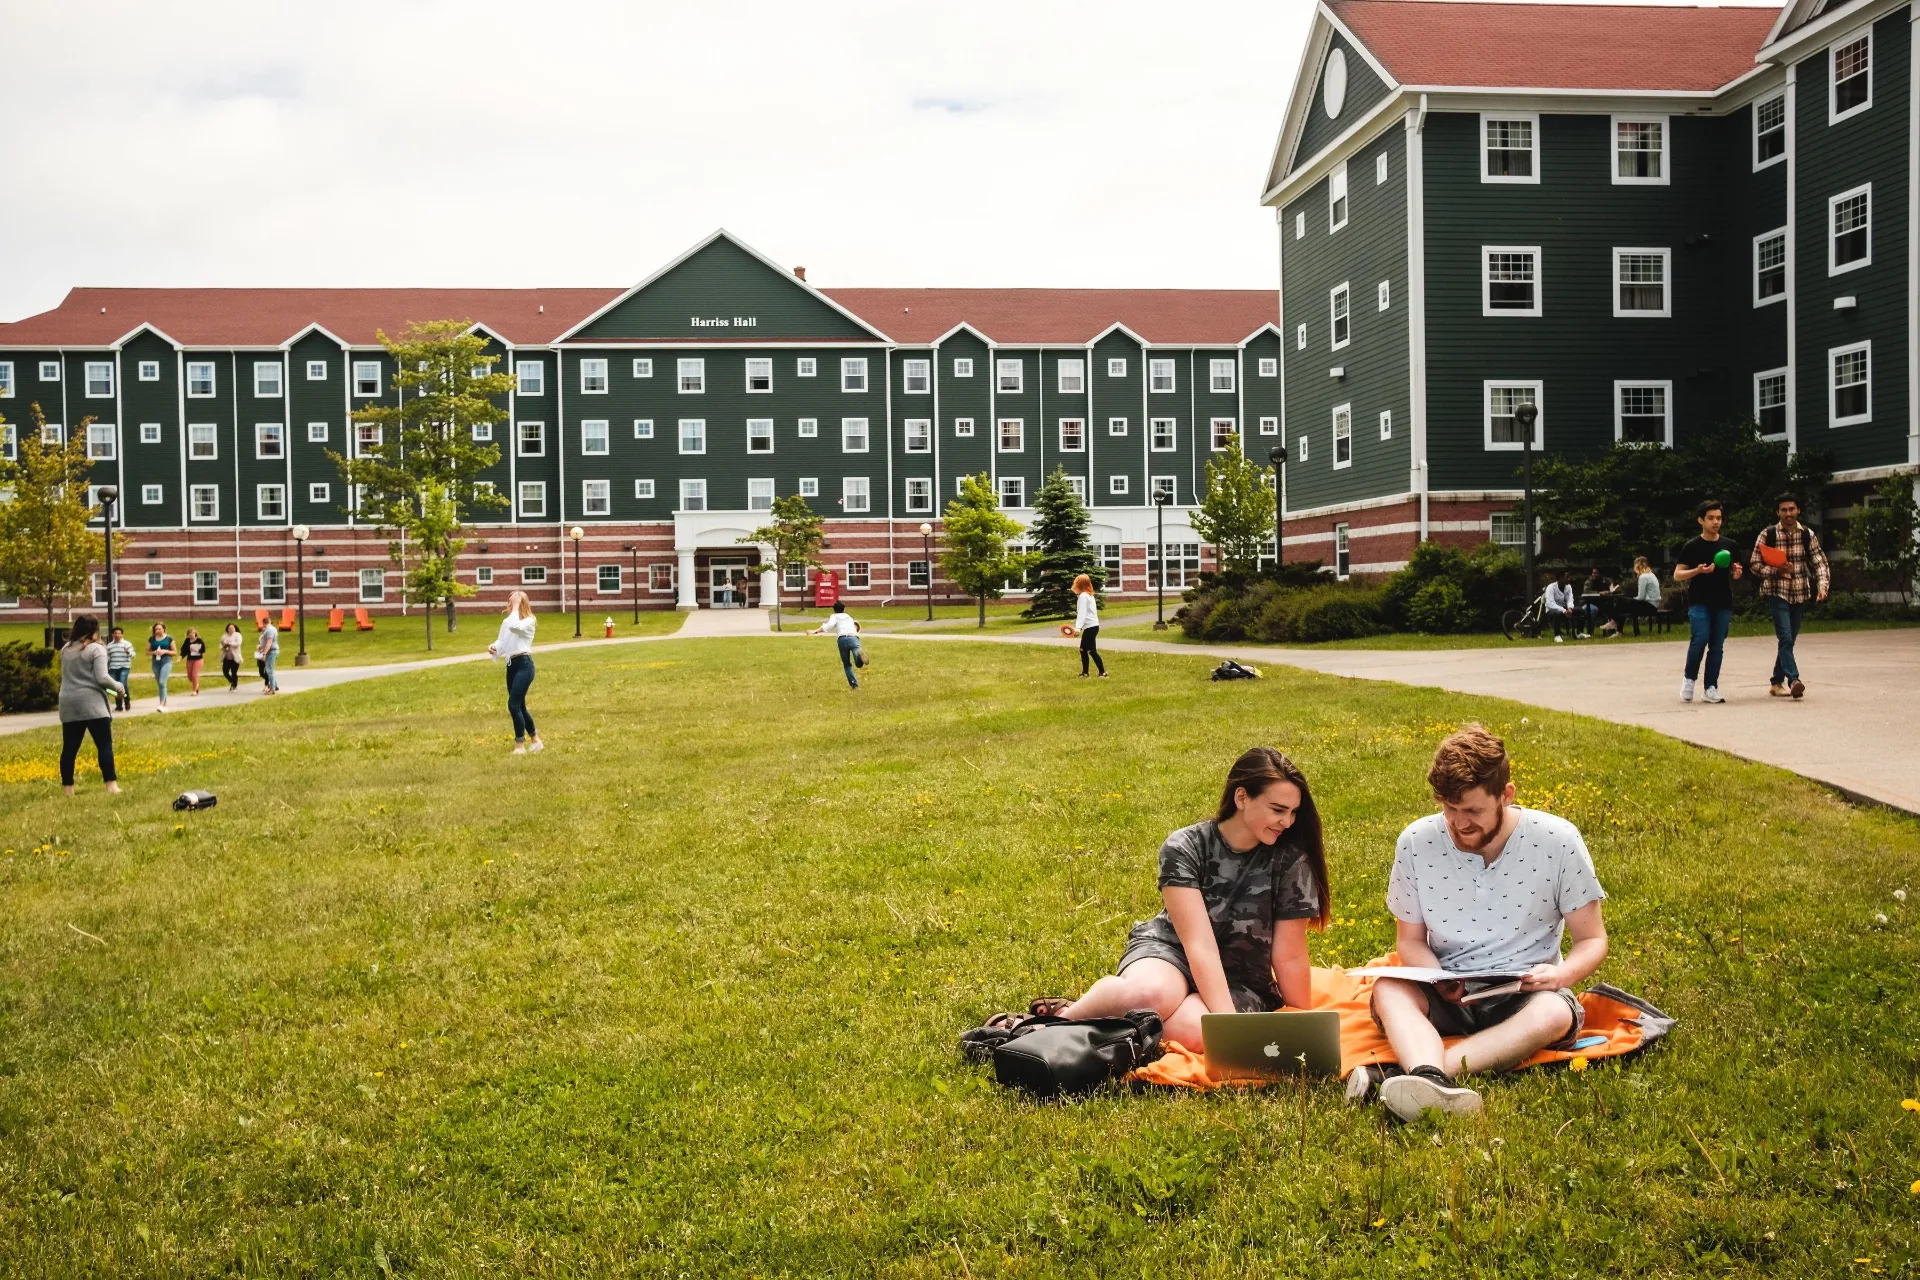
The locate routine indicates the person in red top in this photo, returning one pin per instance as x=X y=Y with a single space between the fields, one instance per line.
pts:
x=1800 y=577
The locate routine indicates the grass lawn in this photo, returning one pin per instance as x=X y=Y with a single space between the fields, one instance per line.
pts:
x=679 y=996
x=1494 y=639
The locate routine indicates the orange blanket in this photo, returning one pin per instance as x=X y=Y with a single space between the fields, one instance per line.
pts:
x=1625 y=1025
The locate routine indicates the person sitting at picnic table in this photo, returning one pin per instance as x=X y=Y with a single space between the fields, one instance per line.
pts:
x=1560 y=606
x=1591 y=606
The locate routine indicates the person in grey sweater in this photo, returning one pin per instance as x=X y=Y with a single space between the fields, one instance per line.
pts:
x=85 y=687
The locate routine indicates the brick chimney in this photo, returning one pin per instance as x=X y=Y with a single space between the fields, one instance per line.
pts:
x=801 y=272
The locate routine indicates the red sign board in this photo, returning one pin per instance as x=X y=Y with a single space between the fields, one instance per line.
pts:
x=826 y=588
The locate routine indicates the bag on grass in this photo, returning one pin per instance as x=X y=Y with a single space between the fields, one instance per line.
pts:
x=1050 y=1057
x=1231 y=670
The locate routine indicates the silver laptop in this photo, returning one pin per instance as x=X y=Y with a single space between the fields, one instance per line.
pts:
x=1271 y=1046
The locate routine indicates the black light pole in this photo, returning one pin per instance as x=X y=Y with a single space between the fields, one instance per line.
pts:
x=1278 y=457
x=108 y=495
x=1524 y=417
x=300 y=535
x=926 y=542
x=634 y=550
x=576 y=533
x=1160 y=500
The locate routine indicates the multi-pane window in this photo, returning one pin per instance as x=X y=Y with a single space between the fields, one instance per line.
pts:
x=759 y=435
x=531 y=439
x=1510 y=149
x=532 y=575
x=1183 y=564
x=1222 y=432
x=1506 y=528
x=919 y=494
x=1077 y=486
x=1117 y=485
x=594 y=436
x=1643 y=412
x=200 y=382
x=1300 y=225
x=1386 y=424
x=916 y=377
x=1269 y=425
x=853 y=373
x=203 y=502
x=853 y=435
x=1640 y=282
x=809 y=428
x=1073 y=435
x=1109 y=553
x=373 y=586
x=533 y=498
x=1342 y=436
x=1162 y=489
x=1510 y=280
x=1852 y=74
x=100 y=446
x=859 y=575
x=1220 y=375
x=917 y=435
x=660 y=577
x=693 y=495
x=6 y=379
x=1160 y=376
x=1116 y=426
x=152 y=494
x=1013 y=491
x=481 y=431
x=596 y=497
x=918 y=578
x=1073 y=377
x=760 y=375
x=693 y=376
x=1770 y=402
x=606 y=579
x=52 y=433
x=593 y=377
x=266 y=379
x=366 y=377
x=1850 y=393
x=1502 y=399
x=270 y=501
x=150 y=370
x=806 y=366
x=1639 y=150
x=206 y=586
x=49 y=371
x=760 y=495
x=1160 y=434
x=809 y=486
x=9 y=442
x=643 y=428
x=269 y=440
x=1010 y=377
x=99 y=379
x=532 y=377
x=1013 y=435
x=319 y=491
x=1769 y=130
x=693 y=435
x=1337 y=197
x=1304 y=450
x=962 y=367
x=1116 y=366
x=203 y=441
x=1380 y=170
x=150 y=433
x=963 y=428
x=856 y=494
x=1850 y=220
x=1342 y=557
x=643 y=489
x=1339 y=305
x=366 y=438
x=1300 y=337
x=1269 y=367
x=643 y=367
x=1769 y=267
x=155 y=580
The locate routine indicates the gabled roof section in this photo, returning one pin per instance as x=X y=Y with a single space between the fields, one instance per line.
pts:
x=1323 y=36
x=1805 y=21
x=723 y=288
x=1067 y=317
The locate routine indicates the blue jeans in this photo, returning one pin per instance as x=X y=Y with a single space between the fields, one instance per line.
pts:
x=266 y=669
x=849 y=645
x=1786 y=629
x=1709 y=628
x=122 y=701
x=162 y=669
x=519 y=680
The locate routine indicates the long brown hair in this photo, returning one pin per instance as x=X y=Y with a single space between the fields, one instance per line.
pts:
x=1259 y=768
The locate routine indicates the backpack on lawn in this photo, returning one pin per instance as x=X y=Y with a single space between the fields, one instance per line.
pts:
x=1048 y=1056
x=1231 y=670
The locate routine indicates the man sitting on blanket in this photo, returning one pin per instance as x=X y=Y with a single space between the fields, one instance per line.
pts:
x=1483 y=884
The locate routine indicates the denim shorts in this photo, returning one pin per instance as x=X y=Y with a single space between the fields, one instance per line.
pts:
x=1452 y=1020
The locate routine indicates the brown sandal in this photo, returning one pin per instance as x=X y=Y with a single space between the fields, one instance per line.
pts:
x=1049 y=1006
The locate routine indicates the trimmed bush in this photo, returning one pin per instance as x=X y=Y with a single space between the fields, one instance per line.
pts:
x=1334 y=611
x=1440 y=608
x=27 y=681
x=1484 y=580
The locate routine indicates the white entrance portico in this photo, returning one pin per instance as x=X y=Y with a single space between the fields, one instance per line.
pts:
x=718 y=536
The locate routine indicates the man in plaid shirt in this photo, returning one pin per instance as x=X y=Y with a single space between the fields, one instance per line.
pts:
x=1789 y=587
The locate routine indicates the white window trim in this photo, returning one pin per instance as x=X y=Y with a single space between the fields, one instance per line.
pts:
x=1834 y=269
x=319 y=491
x=769 y=437
x=907 y=444
x=1076 y=369
x=1334 y=432
x=1666 y=150
x=866 y=435
x=532 y=575
x=1213 y=431
x=213 y=437
x=907 y=375
x=809 y=486
x=924 y=503
x=1300 y=337
x=1117 y=486
x=747 y=375
x=1000 y=435
x=1333 y=311
x=643 y=428
x=643 y=367
x=1061 y=426
x=1337 y=182
x=520 y=504
x=273 y=369
x=1170 y=483
x=847 y=486
x=152 y=494
x=806 y=366
x=851 y=366
x=643 y=490
x=1780 y=373
x=1116 y=366
x=1013 y=367
x=537 y=370
x=1786 y=132
x=680 y=431
x=606 y=376
x=808 y=428
x=1380 y=170
x=319 y=432
x=140 y=370
x=1833 y=354
x=207 y=580
x=151 y=433
x=1214 y=366
x=1269 y=367
x=193 y=503
x=587 y=498
x=606 y=437
x=1173 y=436
x=86 y=379
x=353 y=374
x=213 y=380
x=1666 y=284
x=1300 y=225
x=1534 y=133
x=1486 y=413
x=1383 y=294
x=1619 y=409
x=260 y=492
x=963 y=366
x=1116 y=426
x=1833 y=84
x=1486 y=281
x=1781 y=296
x=1386 y=424
x=1173 y=373
x=1269 y=425
x=520 y=440
x=698 y=372
x=260 y=438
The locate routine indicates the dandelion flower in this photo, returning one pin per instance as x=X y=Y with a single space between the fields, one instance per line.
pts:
x=1910 y=1104
x=1579 y=1062
x=1379 y=1222
x=1915 y=1188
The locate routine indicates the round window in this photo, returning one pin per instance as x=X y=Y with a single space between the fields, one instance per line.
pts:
x=1334 y=83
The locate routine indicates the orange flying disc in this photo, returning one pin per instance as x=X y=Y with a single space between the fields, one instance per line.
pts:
x=1066 y=628
x=1774 y=556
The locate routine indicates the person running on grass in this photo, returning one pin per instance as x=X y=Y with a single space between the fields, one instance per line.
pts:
x=119 y=652
x=194 y=650
x=160 y=653
x=1788 y=587
x=1482 y=884
x=231 y=642
x=1086 y=620
x=85 y=687
x=1240 y=890
x=1709 y=598
x=841 y=624
x=515 y=644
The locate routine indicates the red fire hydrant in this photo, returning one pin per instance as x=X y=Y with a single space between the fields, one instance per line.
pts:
x=609 y=627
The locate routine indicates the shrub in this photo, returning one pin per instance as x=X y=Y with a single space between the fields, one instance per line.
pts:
x=1332 y=611
x=1841 y=606
x=1440 y=608
x=1484 y=580
x=1225 y=605
x=26 y=678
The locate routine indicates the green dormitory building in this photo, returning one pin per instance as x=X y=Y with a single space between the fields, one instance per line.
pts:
x=662 y=420
x=1643 y=220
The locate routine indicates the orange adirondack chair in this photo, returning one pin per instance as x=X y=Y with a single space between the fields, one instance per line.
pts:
x=336 y=619
x=361 y=622
x=260 y=617
x=287 y=619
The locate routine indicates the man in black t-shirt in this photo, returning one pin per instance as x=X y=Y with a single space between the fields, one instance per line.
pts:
x=1709 y=598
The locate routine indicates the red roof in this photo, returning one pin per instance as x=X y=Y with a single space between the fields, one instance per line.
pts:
x=1558 y=46
x=535 y=317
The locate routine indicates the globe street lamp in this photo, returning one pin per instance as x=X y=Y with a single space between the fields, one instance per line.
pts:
x=108 y=495
x=1524 y=417
x=300 y=536
x=576 y=533
x=1160 y=500
x=1278 y=457
x=926 y=543
x=633 y=549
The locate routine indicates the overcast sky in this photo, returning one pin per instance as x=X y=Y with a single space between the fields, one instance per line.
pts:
x=418 y=143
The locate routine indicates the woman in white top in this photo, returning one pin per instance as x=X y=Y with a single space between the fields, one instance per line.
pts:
x=841 y=624
x=1086 y=620
x=515 y=644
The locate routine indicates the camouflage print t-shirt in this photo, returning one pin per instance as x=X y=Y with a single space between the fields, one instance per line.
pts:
x=1244 y=892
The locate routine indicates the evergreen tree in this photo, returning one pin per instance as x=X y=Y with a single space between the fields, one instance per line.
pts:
x=46 y=549
x=977 y=558
x=1062 y=552
x=1236 y=515
x=795 y=536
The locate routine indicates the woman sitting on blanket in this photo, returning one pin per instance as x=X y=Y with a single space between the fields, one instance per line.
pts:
x=1240 y=890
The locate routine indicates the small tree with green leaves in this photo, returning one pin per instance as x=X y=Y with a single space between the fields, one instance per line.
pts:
x=795 y=535
x=46 y=548
x=424 y=477
x=1061 y=550
x=977 y=557
x=1884 y=535
x=1236 y=513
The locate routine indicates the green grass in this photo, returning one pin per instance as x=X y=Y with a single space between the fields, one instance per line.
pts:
x=679 y=996
x=1494 y=639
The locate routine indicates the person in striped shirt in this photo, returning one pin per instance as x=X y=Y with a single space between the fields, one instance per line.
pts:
x=1789 y=587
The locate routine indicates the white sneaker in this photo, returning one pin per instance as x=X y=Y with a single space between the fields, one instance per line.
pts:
x=1559 y=639
x=1411 y=1097
x=1686 y=691
x=519 y=750
x=536 y=745
x=1713 y=695
x=162 y=708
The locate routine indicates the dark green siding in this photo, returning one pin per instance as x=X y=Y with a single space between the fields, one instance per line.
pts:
x=966 y=398
x=722 y=281
x=143 y=464
x=216 y=411
x=543 y=467
x=1061 y=404
x=1753 y=338
x=255 y=410
x=1364 y=89
x=1829 y=159
x=1119 y=397
x=1027 y=405
x=317 y=401
x=1371 y=248
x=1262 y=395
x=500 y=474
x=909 y=465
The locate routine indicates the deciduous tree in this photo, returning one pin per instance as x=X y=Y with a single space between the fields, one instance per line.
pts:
x=977 y=557
x=1236 y=514
x=46 y=548
x=795 y=534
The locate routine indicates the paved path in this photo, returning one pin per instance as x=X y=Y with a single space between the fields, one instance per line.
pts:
x=726 y=622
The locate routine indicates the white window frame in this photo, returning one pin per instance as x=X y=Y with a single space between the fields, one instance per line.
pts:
x=319 y=432
x=919 y=491
x=269 y=495
x=533 y=575
x=1269 y=424
x=206 y=586
x=1300 y=225
x=196 y=494
x=150 y=433
x=1386 y=424
x=6 y=379
x=917 y=575
x=1339 y=201
x=319 y=491
x=372 y=586
x=916 y=377
x=596 y=497
x=1380 y=170
x=1305 y=450
x=1221 y=431
x=360 y=379
x=1300 y=337
x=1833 y=356
x=367 y=436
x=1665 y=153
x=101 y=446
x=690 y=375
x=482 y=575
x=665 y=576
x=148 y=371
x=1834 y=266
x=1833 y=83
x=963 y=428
x=1070 y=376
x=1486 y=413
x=595 y=377
x=530 y=377
x=481 y=431
x=963 y=366
x=1340 y=308
x=1758 y=163
x=1166 y=368
x=643 y=428
x=1342 y=551
x=538 y=431
x=152 y=495
x=203 y=435
x=1014 y=487
x=1487 y=251
x=809 y=428
x=853 y=375
x=859 y=575
x=1384 y=295
x=1067 y=444
x=1169 y=485
x=806 y=366
x=1666 y=283
x=194 y=378
x=1780 y=234
x=694 y=431
x=155 y=580
x=856 y=429
x=531 y=499
x=1154 y=425
x=809 y=486
x=1010 y=376
x=856 y=495
x=643 y=490
x=916 y=435
x=1620 y=388
x=1117 y=486
x=265 y=372
x=759 y=368
x=601 y=573
x=1222 y=376
x=1077 y=485
x=759 y=429
x=98 y=372
x=1269 y=367
x=1116 y=366
x=50 y=370
x=1758 y=377
x=1342 y=430
x=596 y=437
x=269 y=431
x=1533 y=136
x=1116 y=426
x=643 y=366
x=1018 y=435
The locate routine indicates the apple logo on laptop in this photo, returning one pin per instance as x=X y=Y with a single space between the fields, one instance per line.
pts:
x=1272 y=1050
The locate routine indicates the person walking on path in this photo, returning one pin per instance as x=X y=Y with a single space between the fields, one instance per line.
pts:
x=230 y=642
x=266 y=653
x=119 y=653
x=515 y=644
x=1709 y=598
x=1086 y=620
x=194 y=650
x=1796 y=573
x=160 y=654
x=85 y=685
x=842 y=625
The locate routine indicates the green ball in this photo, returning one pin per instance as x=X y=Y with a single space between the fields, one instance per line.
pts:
x=1723 y=558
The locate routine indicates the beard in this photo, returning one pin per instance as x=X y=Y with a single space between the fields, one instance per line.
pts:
x=1477 y=842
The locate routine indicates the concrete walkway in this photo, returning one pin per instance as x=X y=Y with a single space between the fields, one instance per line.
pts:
x=725 y=622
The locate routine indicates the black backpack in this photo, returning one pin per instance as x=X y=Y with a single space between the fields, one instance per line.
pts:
x=1231 y=670
x=1048 y=1057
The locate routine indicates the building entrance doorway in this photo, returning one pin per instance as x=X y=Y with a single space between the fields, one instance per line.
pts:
x=727 y=582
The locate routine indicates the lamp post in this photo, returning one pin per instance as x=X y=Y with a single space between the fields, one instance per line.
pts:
x=926 y=543
x=1524 y=417
x=1160 y=500
x=300 y=535
x=633 y=549
x=108 y=495
x=1278 y=457
x=576 y=533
